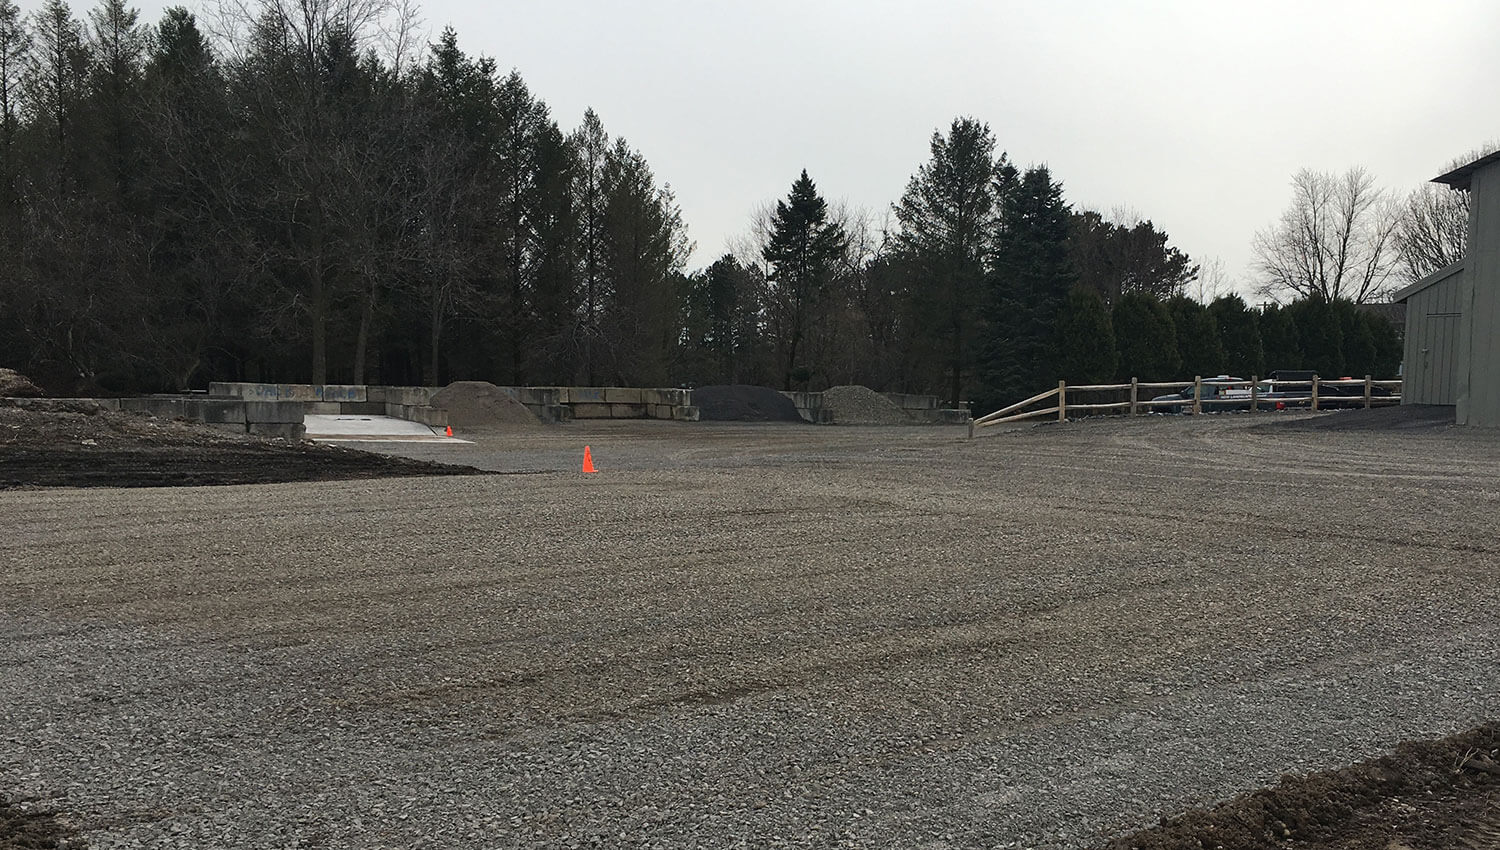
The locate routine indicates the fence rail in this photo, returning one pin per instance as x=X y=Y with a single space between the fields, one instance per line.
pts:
x=1254 y=401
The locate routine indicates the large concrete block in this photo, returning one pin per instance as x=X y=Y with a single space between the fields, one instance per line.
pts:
x=666 y=396
x=271 y=412
x=590 y=410
x=362 y=408
x=685 y=413
x=623 y=395
x=325 y=408
x=554 y=413
x=587 y=395
x=627 y=411
x=293 y=431
x=288 y=392
x=219 y=411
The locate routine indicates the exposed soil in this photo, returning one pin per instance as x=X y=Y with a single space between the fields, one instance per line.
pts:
x=744 y=403
x=1392 y=417
x=856 y=405
x=72 y=444
x=480 y=405
x=27 y=829
x=1428 y=795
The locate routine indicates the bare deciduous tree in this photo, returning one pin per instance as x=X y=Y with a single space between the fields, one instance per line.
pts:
x=1336 y=240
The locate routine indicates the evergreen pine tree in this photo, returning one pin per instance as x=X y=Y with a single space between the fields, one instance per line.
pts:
x=803 y=250
x=1240 y=334
x=1030 y=277
x=1086 y=340
x=947 y=215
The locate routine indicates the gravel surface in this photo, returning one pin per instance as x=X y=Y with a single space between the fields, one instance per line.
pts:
x=748 y=636
x=855 y=405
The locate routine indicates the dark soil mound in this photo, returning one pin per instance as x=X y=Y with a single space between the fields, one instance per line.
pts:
x=1392 y=417
x=744 y=403
x=25 y=829
x=1428 y=794
x=98 y=448
x=15 y=385
x=482 y=406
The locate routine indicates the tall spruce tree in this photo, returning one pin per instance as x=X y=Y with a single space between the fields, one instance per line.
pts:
x=947 y=218
x=1030 y=277
x=802 y=252
x=1086 y=339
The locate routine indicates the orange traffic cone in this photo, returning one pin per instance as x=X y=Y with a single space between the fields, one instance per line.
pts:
x=588 y=460
x=450 y=430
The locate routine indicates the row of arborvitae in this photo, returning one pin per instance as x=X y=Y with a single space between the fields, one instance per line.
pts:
x=1161 y=340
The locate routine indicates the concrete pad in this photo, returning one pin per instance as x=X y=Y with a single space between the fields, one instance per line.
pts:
x=371 y=429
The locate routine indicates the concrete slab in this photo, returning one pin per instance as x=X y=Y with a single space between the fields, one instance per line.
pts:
x=327 y=428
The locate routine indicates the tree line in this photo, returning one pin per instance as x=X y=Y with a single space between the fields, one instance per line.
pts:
x=305 y=194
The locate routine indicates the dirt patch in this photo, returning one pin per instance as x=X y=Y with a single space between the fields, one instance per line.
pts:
x=744 y=403
x=482 y=406
x=76 y=444
x=15 y=385
x=1419 y=417
x=1428 y=795
x=855 y=405
x=25 y=829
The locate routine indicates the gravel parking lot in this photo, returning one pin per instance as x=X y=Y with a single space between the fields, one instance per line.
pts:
x=749 y=635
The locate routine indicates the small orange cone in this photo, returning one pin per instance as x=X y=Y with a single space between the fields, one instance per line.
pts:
x=588 y=460
x=450 y=430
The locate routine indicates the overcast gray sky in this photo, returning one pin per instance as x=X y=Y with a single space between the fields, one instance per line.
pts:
x=1193 y=113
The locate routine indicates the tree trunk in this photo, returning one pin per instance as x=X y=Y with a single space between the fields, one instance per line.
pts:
x=319 y=327
x=435 y=335
x=362 y=341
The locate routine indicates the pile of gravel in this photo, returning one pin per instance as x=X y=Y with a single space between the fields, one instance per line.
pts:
x=15 y=385
x=744 y=403
x=855 y=405
x=480 y=405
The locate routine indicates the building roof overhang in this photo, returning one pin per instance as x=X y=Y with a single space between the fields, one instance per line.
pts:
x=1459 y=178
x=1433 y=279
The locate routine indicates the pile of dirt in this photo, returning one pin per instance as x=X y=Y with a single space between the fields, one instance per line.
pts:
x=744 y=403
x=855 y=405
x=77 y=444
x=1427 y=794
x=26 y=829
x=15 y=385
x=482 y=406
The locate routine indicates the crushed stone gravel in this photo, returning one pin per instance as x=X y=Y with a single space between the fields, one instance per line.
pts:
x=748 y=636
x=856 y=405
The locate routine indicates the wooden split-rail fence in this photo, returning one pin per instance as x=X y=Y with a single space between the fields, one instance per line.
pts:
x=1249 y=396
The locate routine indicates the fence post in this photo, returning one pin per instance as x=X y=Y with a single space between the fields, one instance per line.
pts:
x=971 y=427
x=1062 y=401
x=1197 y=394
x=1254 y=392
x=1367 y=392
x=1315 y=392
x=1134 y=396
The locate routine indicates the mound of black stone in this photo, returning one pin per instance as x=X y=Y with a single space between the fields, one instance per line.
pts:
x=744 y=403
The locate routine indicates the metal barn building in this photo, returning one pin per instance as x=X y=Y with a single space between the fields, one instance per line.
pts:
x=1429 y=368
x=1453 y=315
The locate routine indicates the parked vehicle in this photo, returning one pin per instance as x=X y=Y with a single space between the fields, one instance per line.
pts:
x=1215 y=396
x=1331 y=396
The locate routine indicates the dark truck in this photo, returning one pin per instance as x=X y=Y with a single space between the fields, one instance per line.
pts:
x=1333 y=393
